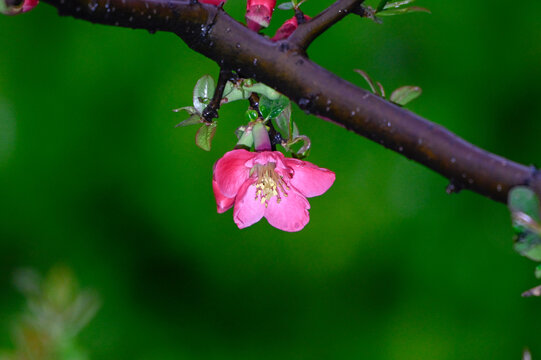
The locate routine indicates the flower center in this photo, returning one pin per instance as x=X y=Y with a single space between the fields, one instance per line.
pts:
x=269 y=183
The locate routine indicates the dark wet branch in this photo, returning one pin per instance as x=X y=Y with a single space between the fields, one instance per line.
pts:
x=211 y=32
x=308 y=31
x=211 y=111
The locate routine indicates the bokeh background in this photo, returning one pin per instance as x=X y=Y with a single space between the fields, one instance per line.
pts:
x=94 y=175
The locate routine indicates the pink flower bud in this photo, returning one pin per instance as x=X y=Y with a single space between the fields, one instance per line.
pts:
x=287 y=28
x=259 y=13
x=212 y=2
x=14 y=7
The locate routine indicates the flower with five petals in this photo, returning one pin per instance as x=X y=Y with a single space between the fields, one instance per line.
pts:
x=267 y=184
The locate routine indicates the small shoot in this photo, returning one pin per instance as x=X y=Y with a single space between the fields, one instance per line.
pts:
x=202 y=95
x=401 y=96
x=386 y=8
x=290 y=5
x=526 y=215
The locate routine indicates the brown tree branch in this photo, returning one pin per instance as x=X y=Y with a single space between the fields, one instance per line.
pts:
x=211 y=32
x=307 y=32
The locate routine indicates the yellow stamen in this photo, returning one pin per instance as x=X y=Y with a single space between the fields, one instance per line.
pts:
x=269 y=183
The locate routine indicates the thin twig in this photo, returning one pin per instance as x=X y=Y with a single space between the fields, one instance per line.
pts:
x=211 y=110
x=307 y=32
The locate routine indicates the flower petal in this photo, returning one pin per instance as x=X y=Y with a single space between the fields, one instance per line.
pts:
x=223 y=203
x=230 y=172
x=310 y=179
x=290 y=214
x=248 y=209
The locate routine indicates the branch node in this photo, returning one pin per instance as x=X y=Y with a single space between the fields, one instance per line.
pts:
x=210 y=112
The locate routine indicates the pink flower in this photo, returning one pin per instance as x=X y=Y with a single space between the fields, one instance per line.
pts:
x=14 y=8
x=287 y=28
x=259 y=13
x=212 y=2
x=267 y=184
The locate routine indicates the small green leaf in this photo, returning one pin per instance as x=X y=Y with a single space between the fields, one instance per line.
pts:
x=528 y=244
x=245 y=136
x=367 y=78
x=295 y=130
x=283 y=122
x=192 y=120
x=397 y=4
x=523 y=199
x=286 y=6
x=240 y=131
x=381 y=5
x=233 y=92
x=189 y=109
x=270 y=109
x=524 y=207
x=264 y=90
x=401 y=11
x=204 y=135
x=405 y=94
x=304 y=150
x=203 y=92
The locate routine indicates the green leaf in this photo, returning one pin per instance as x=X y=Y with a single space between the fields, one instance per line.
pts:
x=405 y=94
x=528 y=244
x=523 y=199
x=401 y=11
x=245 y=136
x=295 y=130
x=367 y=78
x=189 y=109
x=264 y=90
x=525 y=214
x=538 y=272
x=233 y=92
x=283 y=122
x=192 y=120
x=204 y=135
x=381 y=5
x=397 y=4
x=286 y=6
x=304 y=150
x=240 y=131
x=203 y=92
x=270 y=109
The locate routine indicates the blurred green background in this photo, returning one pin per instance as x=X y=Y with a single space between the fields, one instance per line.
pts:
x=94 y=175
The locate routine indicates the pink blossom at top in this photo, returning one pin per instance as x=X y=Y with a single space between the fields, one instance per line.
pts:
x=259 y=13
x=267 y=184
x=212 y=2
x=287 y=28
